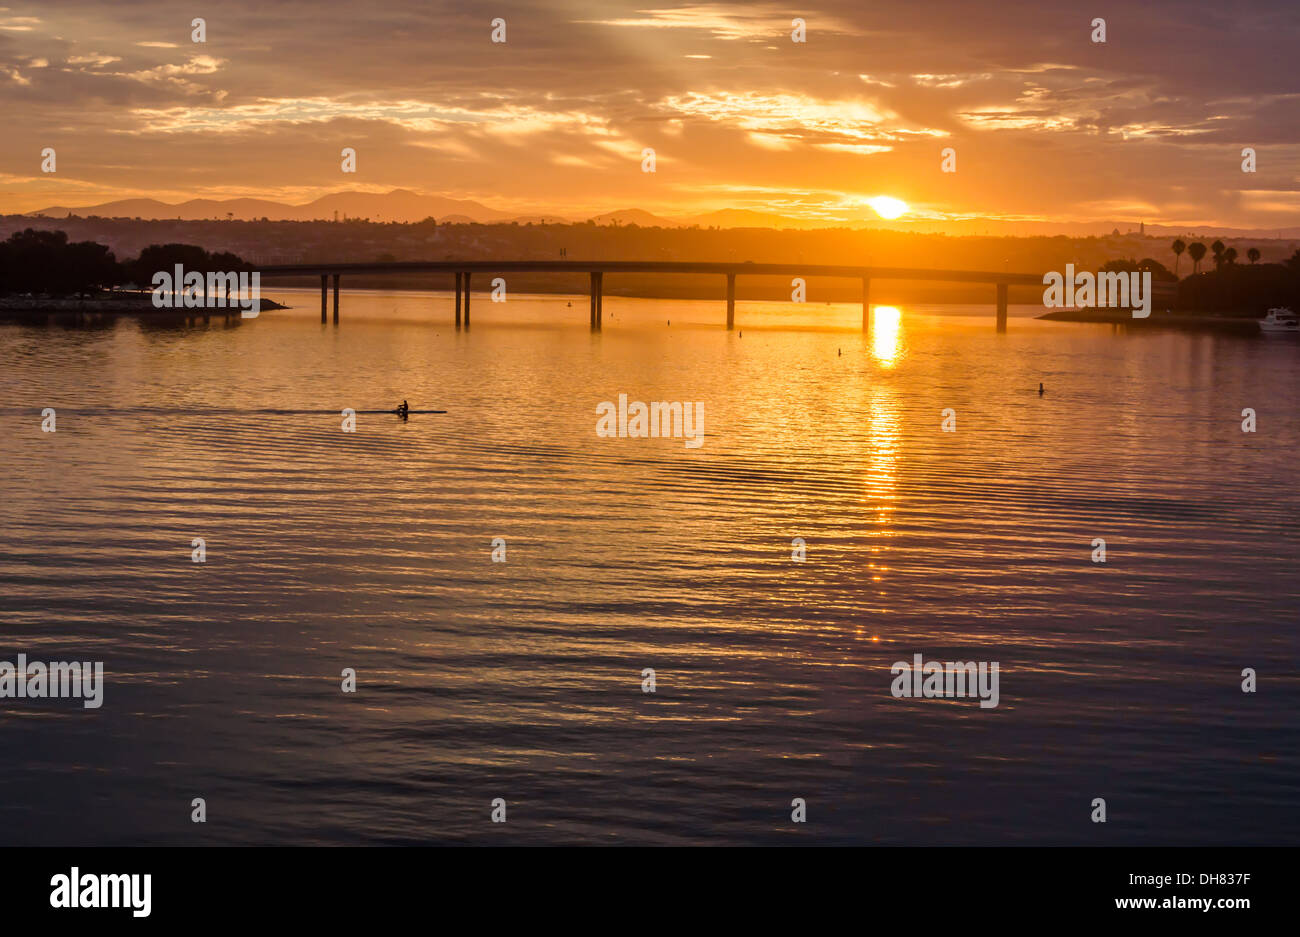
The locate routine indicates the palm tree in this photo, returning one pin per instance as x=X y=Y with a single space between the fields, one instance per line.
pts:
x=1196 y=251
x=1253 y=255
x=1230 y=255
x=1178 y=247
x=1217 y=250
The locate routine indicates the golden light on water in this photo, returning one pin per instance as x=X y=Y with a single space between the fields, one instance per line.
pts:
x=884 y=432
x=887 y=207
x=885 y=328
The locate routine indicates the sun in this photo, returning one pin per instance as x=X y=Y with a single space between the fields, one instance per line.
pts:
x=886 y=207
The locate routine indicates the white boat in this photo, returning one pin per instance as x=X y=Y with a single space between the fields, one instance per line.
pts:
x=1280 y=320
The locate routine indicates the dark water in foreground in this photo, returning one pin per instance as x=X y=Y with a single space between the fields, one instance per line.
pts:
x=522 y=680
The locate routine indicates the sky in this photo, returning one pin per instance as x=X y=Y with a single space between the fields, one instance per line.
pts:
x=1046 y=123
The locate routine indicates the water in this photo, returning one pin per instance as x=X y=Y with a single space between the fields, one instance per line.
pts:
x=522 y=680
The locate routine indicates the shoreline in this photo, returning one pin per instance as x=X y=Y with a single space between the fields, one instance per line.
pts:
x=127 y=305
x=1217 y=323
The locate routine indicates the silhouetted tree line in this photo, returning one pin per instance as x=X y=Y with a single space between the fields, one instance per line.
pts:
x=1158 y=270
x=165 y=257
x=1235 y=289
x=1239 y=289
x=33 y=261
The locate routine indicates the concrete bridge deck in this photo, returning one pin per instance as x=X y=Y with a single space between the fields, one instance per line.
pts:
x=463 y=271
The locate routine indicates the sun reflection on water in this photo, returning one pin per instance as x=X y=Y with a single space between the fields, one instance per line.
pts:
x=884 y=430
x=884 y=435
x=885 y=335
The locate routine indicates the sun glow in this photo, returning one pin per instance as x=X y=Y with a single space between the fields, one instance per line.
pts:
x=887 y=208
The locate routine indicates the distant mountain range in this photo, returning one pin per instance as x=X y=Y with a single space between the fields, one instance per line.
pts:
x=398 y=205
x=402 y=205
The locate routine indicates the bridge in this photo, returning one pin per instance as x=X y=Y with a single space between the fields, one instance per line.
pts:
x=463 y=271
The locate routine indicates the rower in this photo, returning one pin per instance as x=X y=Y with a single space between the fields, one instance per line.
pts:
x=403 y=409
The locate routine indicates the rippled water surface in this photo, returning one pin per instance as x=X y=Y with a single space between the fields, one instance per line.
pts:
x=522 y=680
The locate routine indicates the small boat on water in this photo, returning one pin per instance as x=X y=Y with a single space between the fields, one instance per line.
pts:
x=1280 y=320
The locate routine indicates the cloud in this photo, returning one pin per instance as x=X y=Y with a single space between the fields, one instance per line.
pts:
x=752 y=22
x=19 y=24
x=795 y=117
x=1044 y=120
x=417 y=116
x=197 y=65
x=95 y=59
x=948 y=81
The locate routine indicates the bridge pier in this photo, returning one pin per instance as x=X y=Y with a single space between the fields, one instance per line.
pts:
x=463 y=270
